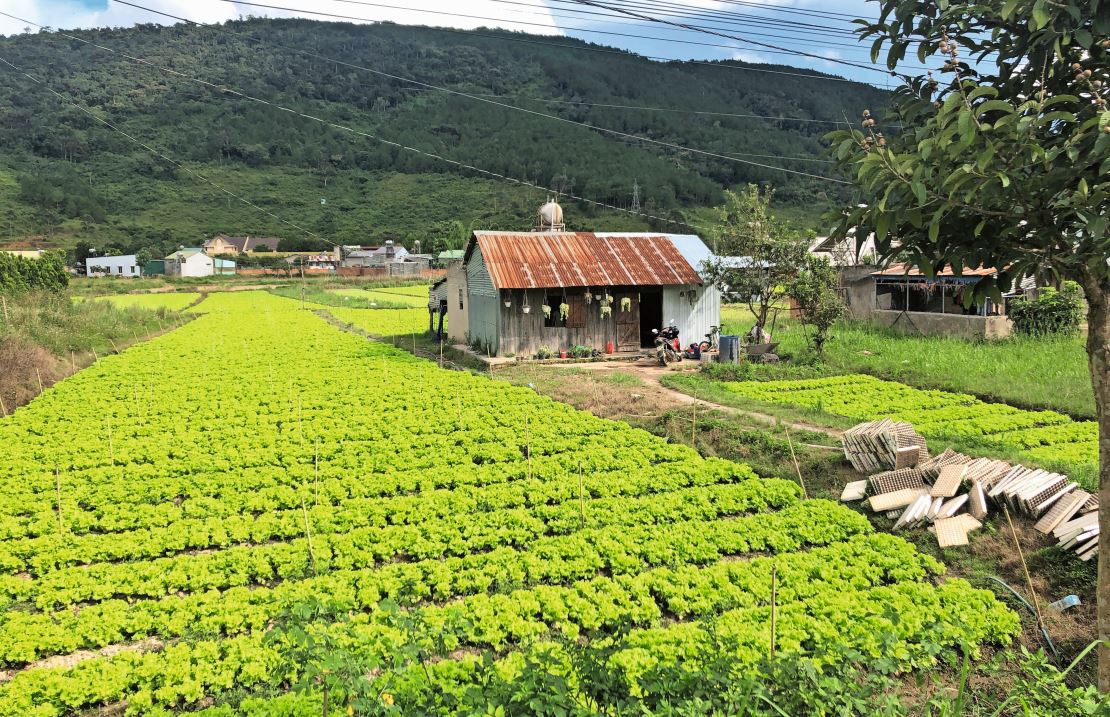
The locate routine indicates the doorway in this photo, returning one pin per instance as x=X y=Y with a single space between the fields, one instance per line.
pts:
x=651 y=316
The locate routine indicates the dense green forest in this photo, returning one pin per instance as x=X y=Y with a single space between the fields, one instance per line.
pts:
x=65 y=177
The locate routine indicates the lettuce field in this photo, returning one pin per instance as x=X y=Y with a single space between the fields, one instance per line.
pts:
x=1045 y=436
x=165 y=505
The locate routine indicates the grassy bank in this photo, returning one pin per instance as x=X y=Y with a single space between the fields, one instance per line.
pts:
x=45 y=337
x=1034 y=373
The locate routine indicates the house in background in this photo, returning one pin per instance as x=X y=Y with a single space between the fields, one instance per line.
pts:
x=557 y=289
x=123 y=266
x=223 y=267
x=371 y=256
x=191 y=261
x=24 y=253
x=224 y=244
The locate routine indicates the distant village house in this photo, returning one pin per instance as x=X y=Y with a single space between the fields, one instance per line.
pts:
x=224 y=244
x=121 y=266
x=192 y=261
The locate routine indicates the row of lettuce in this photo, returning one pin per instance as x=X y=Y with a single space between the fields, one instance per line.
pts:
x=258 y=457
x=1043 y=437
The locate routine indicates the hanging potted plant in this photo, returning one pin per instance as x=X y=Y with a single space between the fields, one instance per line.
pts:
x=606 y=306
x=547 y=311
x=508 y=300
x=589 y=297
x=525 y=307
x=626 y=303
x=564 y=311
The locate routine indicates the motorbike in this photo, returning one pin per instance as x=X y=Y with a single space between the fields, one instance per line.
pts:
x=711 y=342
x=666 y=345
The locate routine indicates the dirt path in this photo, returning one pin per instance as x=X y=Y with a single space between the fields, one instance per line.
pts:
x=651 y=374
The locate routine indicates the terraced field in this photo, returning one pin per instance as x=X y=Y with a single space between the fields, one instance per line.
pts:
x=195 y=507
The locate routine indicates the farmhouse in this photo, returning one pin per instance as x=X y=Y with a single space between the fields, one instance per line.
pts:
x=123 y=265
x=224 y=244
x=906 y=298
x=190 y=261
x=554 y=290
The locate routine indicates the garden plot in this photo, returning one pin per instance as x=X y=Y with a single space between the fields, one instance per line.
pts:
x=1042 y=435
x=186 y=518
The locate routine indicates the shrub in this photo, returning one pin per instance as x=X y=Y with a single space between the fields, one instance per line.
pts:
x=1052 y=312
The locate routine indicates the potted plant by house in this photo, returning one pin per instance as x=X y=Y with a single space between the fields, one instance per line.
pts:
x=544 y=353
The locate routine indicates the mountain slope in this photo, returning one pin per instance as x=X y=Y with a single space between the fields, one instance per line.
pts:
x=77 y=178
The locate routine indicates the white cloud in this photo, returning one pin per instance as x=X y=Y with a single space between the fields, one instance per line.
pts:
x=68 y=14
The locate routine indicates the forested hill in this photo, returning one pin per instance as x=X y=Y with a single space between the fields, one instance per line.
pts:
x=64 y=175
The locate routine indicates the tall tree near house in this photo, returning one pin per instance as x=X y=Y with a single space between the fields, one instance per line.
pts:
x=1002 y=159
x=756 y=254
x=814 y=292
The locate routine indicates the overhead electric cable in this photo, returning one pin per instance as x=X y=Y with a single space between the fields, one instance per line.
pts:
x=160 y=154
x=780 y=51
x=772 y=48
x=398 y=145
x=507 y=36
x=428 y=85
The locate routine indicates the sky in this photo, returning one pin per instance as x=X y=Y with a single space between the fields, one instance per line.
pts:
x=825 y=36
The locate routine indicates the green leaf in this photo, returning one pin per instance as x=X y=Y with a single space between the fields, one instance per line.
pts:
x=918 y=189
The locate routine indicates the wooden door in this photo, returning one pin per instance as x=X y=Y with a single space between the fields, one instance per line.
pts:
x=628 y=322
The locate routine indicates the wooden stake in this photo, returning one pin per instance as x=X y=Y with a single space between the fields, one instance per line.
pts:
x=797 y=468
x=581 y=496
x=2 y=406
x=308 y=536
x=441 y=353
x=114 y=347
x=1025 y=569
x=39 y=377
x=774 y=604
x=316 y=471
x=72 y=363
x=5 y=300
x=694 y=425
x=111 y=448
x=58 y=490
x=528 y=441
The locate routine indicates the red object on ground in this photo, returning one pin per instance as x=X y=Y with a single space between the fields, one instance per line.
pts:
x=562 y=354
x=609 y=347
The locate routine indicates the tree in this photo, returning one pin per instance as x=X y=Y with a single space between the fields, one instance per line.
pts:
x=1002 y=161
x=757 y=255
x=814 y=290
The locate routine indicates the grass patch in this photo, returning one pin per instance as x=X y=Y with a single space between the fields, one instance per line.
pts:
x=1035 y=373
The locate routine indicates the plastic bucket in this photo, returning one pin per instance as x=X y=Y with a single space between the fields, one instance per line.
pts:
x=730 y=349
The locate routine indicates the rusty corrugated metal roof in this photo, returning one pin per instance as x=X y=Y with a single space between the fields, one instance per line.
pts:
x=912 y=270
x=535 y=260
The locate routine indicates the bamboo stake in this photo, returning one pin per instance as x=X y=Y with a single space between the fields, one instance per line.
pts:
x=581 y=496
x=774 y=604
x=694 y=425
x=111 y=447
x=72 y=363
x=308 y=536
x=58 y=491
x=5 y=300
x=39 y=377
x=797 y=468
x=528 y=440
x=316 y=471
x=2 y=406
x=1025 y=569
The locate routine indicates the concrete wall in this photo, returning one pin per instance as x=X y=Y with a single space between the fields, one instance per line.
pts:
x=859 y=290
x=930 y=324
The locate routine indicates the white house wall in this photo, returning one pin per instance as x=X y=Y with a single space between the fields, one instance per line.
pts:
x=197 y=265
x=693 y=321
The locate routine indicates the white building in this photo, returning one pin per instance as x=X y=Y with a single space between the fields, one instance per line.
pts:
x=124 y=265
x=189 y=262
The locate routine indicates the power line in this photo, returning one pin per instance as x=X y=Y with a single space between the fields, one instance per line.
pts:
x=158 y=153
x=398 y=145
x=428 y=85
x=339 y=16
x=772 y=48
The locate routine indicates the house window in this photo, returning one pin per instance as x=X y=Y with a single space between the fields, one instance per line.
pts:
x=132 y=269
x=552 y=318
x=460 y=299
x=119 y=269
